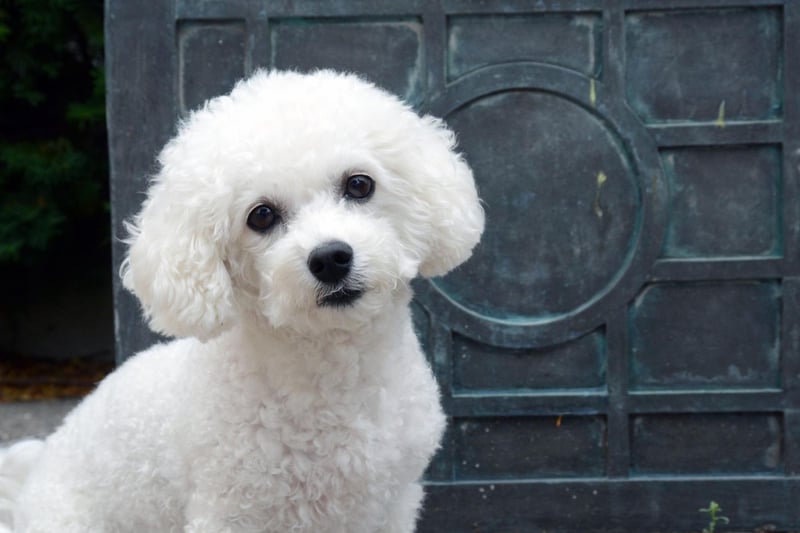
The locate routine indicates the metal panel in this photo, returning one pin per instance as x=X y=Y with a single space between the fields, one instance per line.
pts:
x=625 y=344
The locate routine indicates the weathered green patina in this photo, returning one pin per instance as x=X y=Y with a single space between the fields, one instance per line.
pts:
x=625 y=344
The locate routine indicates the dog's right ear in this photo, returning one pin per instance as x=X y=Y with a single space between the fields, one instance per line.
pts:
x=447 y=190
x=175 y=262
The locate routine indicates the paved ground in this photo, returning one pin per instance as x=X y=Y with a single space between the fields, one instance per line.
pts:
x=31 y=419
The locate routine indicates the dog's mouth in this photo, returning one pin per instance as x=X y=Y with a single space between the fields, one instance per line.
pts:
x=341 y=297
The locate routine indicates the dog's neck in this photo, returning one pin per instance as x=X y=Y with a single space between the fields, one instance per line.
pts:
x=364 y=344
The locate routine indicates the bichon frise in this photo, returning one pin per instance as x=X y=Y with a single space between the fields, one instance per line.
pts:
x=277 y=240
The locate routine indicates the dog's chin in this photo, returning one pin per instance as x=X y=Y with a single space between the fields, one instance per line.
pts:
x=313 y=310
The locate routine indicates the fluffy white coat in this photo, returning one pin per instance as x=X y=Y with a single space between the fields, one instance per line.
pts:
x=273 y=412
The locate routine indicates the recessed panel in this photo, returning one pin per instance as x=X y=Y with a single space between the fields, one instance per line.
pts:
x=724 y=201
x=568 y=40
x=576 y=364
x=535 y=447
x=706 y=444
x=706 y=335
x=212 y=59
x=388 y=52
x=562 y=206
x=703 y=65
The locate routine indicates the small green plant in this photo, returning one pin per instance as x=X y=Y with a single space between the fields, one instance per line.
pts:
x=714 y=517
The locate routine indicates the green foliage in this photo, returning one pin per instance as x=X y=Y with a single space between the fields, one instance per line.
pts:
x=714 y=517
x=53 y=160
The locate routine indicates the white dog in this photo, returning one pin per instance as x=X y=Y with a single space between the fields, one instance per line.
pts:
x=278 y=241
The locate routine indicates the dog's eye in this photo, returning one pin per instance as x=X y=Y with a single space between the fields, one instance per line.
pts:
x=261 y=218
x=359 y=186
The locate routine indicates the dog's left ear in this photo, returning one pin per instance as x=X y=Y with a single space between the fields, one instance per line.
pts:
x=456 y=217
x=175 y=263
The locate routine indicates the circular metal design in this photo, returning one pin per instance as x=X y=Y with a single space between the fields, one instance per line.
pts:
x=570 y=182
x=561 y=206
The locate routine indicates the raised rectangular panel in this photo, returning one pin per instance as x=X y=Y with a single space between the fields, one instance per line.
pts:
x=387 y=51
x=705 y=336
x=577 y=364
x=564 y=39
x=529 y=447
x=724 y=201
x=211 y=58
x=705 y=65
x=731 y=443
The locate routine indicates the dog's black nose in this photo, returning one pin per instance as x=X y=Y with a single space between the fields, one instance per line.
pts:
x=330 y=262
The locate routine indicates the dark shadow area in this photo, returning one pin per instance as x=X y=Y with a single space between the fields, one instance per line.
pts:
x=56 y=312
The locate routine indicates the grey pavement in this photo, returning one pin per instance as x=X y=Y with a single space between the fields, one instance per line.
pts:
x=20 y=420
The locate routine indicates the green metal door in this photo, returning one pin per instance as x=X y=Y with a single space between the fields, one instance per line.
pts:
x=625 y=344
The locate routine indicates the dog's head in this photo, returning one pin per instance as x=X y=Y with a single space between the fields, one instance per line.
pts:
x=307 y=200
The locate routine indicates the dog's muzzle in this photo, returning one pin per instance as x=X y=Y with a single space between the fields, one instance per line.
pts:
x=331 y=263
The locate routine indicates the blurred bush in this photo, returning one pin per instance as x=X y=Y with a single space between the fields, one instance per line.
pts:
x=53 y=155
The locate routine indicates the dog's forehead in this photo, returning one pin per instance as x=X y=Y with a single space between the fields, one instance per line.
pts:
x=304 y=175
x=306 y=144
x=293 y=168
x=289 y=136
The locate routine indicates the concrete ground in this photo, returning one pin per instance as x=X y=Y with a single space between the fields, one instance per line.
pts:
x=22 y=420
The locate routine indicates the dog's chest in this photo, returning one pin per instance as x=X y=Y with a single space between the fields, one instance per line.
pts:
x=322 y=453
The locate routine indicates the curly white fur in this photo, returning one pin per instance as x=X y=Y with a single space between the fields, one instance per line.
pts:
x=273 y=412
